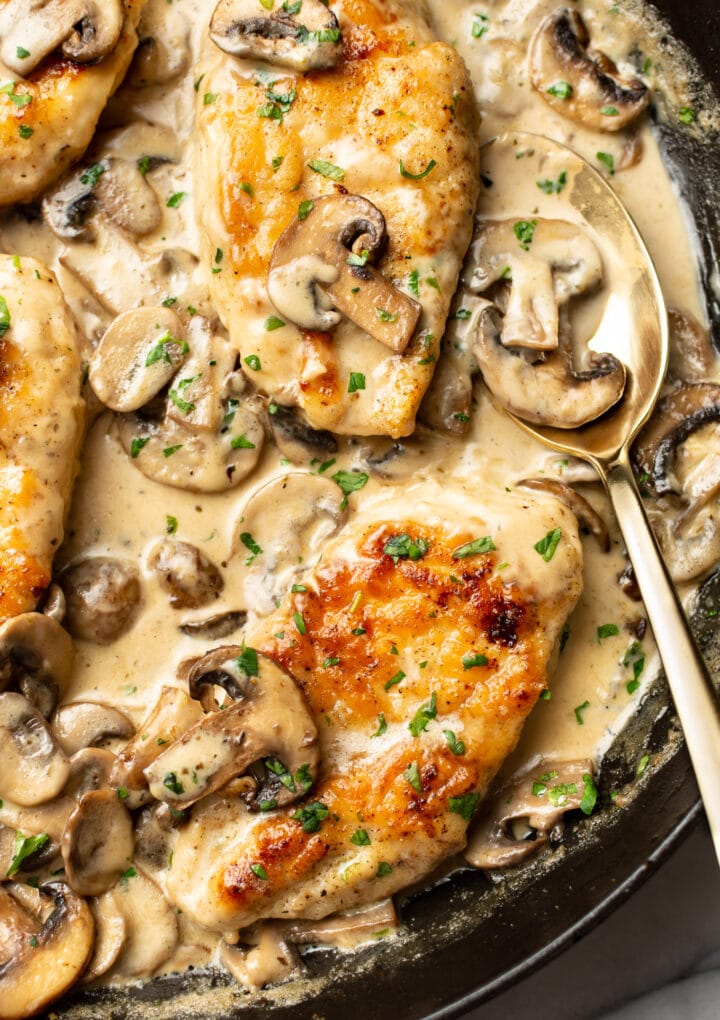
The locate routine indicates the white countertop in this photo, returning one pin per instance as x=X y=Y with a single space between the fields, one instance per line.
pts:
x=656 y=958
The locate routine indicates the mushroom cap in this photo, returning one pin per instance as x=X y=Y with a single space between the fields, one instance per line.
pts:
x=599 y=97
x=86 y=30
x=82 y=724
x=110 y=936
x=35 y=769
x=190 y=579
x=98 y=842
x=45 y=966
x=268 y=719
x=102 y=595
x=150 y=924
x=549 y=392
x=311 y=264
x=311 y=42
x=559 y=263
x=37 y=655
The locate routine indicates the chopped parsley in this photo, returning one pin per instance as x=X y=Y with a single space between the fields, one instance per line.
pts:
x=412 y=775
x=249 y=542
x=606 y=630
x=579 y=711
x=561 y=90
x=4 y=317
x=635 y=657
x=456 y=746
x=589 y=796
x=383 y=869
x=300 y=623
x=325 y=169
x=137 y=444
x=524 y=231
x=474 y=548
x=606 y=160
x=171 y=524
x=382 y=726
x=253 y=361
x=356 y=382
x=184 y=406
x=241 y=443
x=25 y=846
x=551 y=187
x=360 y=838
x=159 y=350
x=350 y=481
x=417 y=177
x=466 y=805
x=173 y=784
x=472 y=659
x=403 y=547
x=312 y=816
x=174 y=201
x=25 y=131
x=305 y=208
x=259 y=871
x=687 y=115
x=479 y=26
x=609 y=111
x=247 y=662
x=394 y=680
x=419 y=722
x=546 y=546
x=17 y=99
x=385 y=316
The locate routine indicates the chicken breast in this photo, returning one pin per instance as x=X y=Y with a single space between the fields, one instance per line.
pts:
x=51 y=103
x=421 y=642
x=41 y=413
x=394 y=127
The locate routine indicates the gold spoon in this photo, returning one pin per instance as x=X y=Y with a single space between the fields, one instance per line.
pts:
x=632 y=327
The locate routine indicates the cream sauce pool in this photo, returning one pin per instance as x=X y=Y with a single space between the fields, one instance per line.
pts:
x=116 y=511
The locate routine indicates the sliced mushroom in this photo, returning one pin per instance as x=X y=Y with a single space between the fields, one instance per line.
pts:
x=306 y=41
x=98 y=843
x=559 y=263
x=692 y=357
x=521 y=816
x=86 y=30
x=271 y=720
x=102 y=595
x=213 y=628
x=550 y=392
x=209 y=439
x=110 y=936
x=314 y=270
x=172 y=715
x=41 y=957
x=163 y=51
x=270 y=958
x=84 y=724
x=139 y=353
x=112 y=187
x=296 y=440
x=447 y=403
x=346 y=929
x=150 y=924
x=189 y=577
x=588 y=518
x=90 y=769
x=34 y=768
x=678 y=415
x=154 y=834
x=289 y=520
x=36 y=655
x=578 y=82
x=53 y=604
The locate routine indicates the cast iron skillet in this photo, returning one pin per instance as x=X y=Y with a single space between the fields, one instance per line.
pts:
x=468 y=938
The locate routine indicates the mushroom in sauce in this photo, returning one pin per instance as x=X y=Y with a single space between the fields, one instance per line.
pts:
x=36 y=656
x=321 y=267
x=102 y=595
x=306 y=43
x=268 y=719
x=189 y=578
x=579 y=82
x=85 y=31
x=35 y=768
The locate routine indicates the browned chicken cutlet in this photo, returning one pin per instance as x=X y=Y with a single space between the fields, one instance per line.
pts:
x=421 y=643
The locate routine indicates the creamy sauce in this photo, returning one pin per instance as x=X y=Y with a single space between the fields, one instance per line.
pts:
x=117 y=511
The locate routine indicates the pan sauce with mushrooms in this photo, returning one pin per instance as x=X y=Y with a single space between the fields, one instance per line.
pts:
x=202 y=502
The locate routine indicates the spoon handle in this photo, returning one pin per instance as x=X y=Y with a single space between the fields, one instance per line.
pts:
x=692 y=689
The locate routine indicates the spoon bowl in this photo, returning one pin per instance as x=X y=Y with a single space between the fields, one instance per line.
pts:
x=631 y=324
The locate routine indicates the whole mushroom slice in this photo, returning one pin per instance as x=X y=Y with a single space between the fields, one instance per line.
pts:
x=289 y=519
x=114 y=188
x=304 y=37
x=90 y=769
x=190 y=579
x=578 y=82
x=86 y=30
x=110 y=936
x=321 y=266
x=677 y=416
x=558 y=263
x=34 y=768
x=215 y=627
x=98 y=843
x=550 y=392
x=84 y=724
x=36 y=655
x=41 y=959
x=296 y=440
x=267 y=956
x=138 y=355
x=163 y=50
x=151 y=927
x=269 y=719
x=171 y=716
x=521 y=816
x=692 y=356
x=102 y=595
x=588 y=518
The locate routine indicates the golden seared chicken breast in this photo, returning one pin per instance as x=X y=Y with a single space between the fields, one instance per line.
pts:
x=41 y=414
x=337 y=157
x=420 y=643
x=60 y=61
